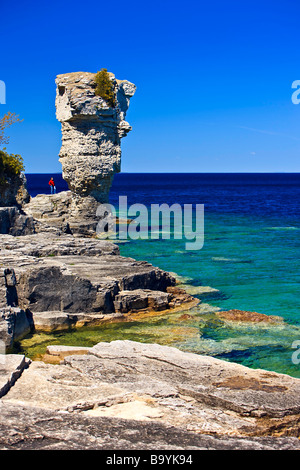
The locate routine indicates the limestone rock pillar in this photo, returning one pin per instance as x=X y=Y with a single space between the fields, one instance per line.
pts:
x=91 y=139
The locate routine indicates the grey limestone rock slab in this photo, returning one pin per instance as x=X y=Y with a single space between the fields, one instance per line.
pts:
x=11 y=367
x=149 y=382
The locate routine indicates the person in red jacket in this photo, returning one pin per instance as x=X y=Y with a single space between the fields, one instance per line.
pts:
x=52 y=186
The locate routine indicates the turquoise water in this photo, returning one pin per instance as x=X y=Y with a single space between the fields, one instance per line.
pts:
x=250 y=255
x=254 y=265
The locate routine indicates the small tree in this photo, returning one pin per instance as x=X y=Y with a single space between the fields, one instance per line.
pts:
x=105 y=87
x=6 y=121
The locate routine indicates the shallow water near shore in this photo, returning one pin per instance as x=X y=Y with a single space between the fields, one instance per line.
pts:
x=199 y=330
x=250 y=255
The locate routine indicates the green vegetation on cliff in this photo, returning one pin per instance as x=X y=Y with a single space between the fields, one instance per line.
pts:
x=105 y=87
x=10 y=165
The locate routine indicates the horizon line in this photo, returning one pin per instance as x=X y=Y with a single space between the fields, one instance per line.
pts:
x=187 y=173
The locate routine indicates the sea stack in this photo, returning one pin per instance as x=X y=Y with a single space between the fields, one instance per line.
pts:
x=91 y=138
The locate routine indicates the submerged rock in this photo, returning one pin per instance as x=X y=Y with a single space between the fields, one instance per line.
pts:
x=244 y=316
x=201 y=291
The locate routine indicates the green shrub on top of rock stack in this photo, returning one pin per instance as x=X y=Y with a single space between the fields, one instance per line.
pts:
x=105 y=87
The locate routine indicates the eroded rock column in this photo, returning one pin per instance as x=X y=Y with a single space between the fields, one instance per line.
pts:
x=91 y=139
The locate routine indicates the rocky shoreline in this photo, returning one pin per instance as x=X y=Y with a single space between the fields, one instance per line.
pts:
x=143 y=396
x=56 y=275
x=55 y=281
x=77 y=396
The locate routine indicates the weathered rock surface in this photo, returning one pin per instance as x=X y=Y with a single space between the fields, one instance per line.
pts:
x=128 y=395
x=138 y=299
x=14 y=324
x=11 y=367
x=50 y=210
x=14 y=191
x=53 y=282
x=15 y=222
x=91 y=135
x=41 y=245
x=27 y=428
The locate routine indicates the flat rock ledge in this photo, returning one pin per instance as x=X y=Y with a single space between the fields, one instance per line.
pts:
x=51 y=282
x=125 y=395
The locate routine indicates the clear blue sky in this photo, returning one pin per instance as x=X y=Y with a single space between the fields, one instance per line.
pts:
x=213 y=79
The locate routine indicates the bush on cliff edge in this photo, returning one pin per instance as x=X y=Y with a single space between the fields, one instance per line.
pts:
x=105 y=87
x=10 y=166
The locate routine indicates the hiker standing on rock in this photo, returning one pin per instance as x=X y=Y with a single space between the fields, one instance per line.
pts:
x=52 y=186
